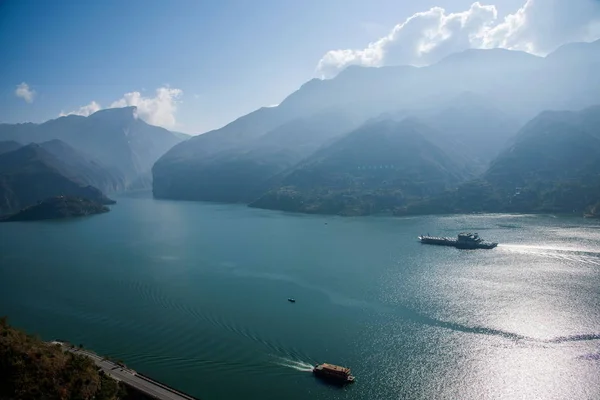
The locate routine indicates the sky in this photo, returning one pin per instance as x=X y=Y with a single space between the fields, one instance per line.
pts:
x=196 y=65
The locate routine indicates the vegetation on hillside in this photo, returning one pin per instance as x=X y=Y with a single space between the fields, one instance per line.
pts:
x=552 y=166
x=31 y=369
x=57 y=208
x=482 y=196
x=376 y=168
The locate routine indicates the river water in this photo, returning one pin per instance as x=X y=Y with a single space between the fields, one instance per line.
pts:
x=195 y=295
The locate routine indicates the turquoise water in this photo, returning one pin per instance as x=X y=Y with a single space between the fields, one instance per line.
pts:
x=195 y=295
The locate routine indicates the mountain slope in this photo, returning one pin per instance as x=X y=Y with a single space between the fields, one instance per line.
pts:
x=469 y=128
x=33 y=369
x=242 y=173
x=555 y=162
x=9 y=145
x=553 y=165
x=517 y=85
x=233 y=135
x=479 y=130
x=552 y=147
x=31 y=174
x=376 y=168
x=84 y=169
x=117 y=138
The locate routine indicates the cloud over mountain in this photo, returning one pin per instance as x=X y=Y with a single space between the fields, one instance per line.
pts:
x=84 y=110
x=159 y=110
x=538 y=27
x=25 y=92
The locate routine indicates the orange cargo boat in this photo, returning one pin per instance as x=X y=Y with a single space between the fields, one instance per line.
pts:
x=333 y=372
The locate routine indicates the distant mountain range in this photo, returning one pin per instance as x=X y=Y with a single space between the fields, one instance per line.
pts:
x=552 y=165
x=241 y=169
x=116 y=138
x=470 y=133
x=375 y=168
x=108 y=152
x=8 y=146
x=394 y=138
x=32 y=173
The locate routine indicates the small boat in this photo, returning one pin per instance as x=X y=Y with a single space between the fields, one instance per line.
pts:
x=291 y=300
x=334 y=373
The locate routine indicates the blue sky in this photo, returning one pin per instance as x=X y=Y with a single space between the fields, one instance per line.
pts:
x=219 y=59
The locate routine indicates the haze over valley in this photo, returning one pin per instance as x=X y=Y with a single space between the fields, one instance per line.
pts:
x=370 y=140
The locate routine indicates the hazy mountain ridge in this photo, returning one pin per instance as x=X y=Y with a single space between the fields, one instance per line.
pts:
x=475 y=101
x=31 y=174
x=376 y=168
x=553 y=165
x=84 y=169
x=461 y=115
x=116 y=138
x=243 y=172
x=8 y=146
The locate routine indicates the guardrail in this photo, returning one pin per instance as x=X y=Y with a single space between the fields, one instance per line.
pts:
x=98 y=359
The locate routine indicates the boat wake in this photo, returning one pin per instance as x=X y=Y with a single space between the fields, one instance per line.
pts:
x=585 y=256
x=294 y=364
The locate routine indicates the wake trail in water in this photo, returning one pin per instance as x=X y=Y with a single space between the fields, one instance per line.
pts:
x=414 y=316
x=301 y=366
x=575 y=338
x=585 y=256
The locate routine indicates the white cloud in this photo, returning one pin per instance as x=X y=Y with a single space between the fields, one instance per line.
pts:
x=158 y=110
x=25 y=92
x=539 y=27
x=85 y=110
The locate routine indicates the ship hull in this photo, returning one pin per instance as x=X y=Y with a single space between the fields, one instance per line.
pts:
x=455 y=243
x=333 y=378
x=333 y=373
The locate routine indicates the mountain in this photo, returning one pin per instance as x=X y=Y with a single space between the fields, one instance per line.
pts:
x=241 y=171
x=233 y=135
x=8 y=146
x=475 y=101
x=577 y=53
x=31 y=174
x=478 y=128
x=552 y=165
x=85 y=169
x=469 y=127
x=141 y=184
x=181 y=135
x=116 y=138
x=77 y=166
x=571 y=78
x=376 y=168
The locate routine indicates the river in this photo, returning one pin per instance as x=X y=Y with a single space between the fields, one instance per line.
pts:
x=195 y=295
